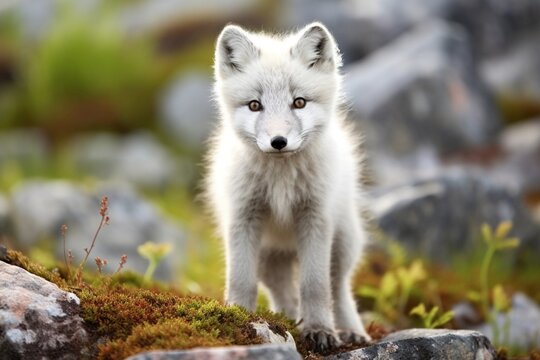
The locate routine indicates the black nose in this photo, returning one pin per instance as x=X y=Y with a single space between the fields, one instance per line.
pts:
x=278 y=142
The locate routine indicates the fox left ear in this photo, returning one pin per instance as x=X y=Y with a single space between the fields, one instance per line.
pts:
x=316 y=48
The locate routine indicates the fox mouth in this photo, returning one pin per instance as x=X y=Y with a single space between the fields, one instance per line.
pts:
x=280 y=153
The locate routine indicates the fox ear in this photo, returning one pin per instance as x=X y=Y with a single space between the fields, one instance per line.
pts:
x=234 y=50
x=316 y=48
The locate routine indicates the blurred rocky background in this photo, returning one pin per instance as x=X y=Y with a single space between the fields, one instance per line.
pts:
x=114 y=98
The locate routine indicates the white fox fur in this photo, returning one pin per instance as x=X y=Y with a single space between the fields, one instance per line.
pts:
x=289 y=216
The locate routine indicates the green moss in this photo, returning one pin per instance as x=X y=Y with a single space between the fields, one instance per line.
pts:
x=169 y=334
x=18 y=259
x=136 y=319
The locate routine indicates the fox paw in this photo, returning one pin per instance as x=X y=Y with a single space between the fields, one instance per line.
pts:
x=352 y=337
x=320 y=340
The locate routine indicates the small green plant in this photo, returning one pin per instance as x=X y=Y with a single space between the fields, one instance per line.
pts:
x=154 y=253
x=395 y=288
x=501 y=304
x=496 y=241
x=431 y=319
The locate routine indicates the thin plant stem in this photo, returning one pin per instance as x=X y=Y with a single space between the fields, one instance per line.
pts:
x=83 y=263
x=484 y=274
x=150 y=272
x=63 y=231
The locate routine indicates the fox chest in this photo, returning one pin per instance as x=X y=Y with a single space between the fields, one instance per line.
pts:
x=283 y=191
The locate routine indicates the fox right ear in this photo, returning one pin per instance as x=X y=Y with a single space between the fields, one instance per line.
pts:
x=234 y=50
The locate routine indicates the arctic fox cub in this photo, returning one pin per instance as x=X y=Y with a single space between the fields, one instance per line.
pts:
x=283 y=179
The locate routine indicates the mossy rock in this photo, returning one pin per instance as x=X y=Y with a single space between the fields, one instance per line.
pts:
x=128 y=319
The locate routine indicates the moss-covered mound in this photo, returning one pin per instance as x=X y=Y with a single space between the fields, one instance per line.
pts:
x=130 y=319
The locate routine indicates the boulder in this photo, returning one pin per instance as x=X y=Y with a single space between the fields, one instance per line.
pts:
x=137 y=158
x=40 y=208
x=523 y=320
x=443 y=215
x=37 y=319
x=421 y=93
x=257 y=352
x=362 y=26
x=187 y=112
x=419 y=344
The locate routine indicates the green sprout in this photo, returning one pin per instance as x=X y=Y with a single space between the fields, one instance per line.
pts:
x=431 y=319
x=495 y=241
x=395 y=288
x=154 y=253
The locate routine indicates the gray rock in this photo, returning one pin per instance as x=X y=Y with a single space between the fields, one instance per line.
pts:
x=25 y=148
x=149 y=15
x=519 y=166
x=420 y=344
x=37 y=319
x=362 y=26
x=419 y=92
x=443 y=216
x=137 y=158
x=522 y=137
x=524 y=324
x=39 y=208
x=514 y=73
x=187 y=112
x=36 y=18
x=465 y=315
x=257 y=352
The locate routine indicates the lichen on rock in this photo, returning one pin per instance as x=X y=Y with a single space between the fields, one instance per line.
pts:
x=37 y=318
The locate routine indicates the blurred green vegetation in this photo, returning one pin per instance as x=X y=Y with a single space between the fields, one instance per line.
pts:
x=88 y=74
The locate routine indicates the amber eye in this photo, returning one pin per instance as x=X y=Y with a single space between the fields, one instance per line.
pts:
x=254 y=105
x=299 y=103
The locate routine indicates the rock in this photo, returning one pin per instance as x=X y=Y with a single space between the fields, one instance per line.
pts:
x=37 y=319
x=521 y=138
x=26 y=149
x=421 y=92
x=148 y=15
x=362 y=26
x=443 y=215
x=39 y=208
x=465 y=315
x=137 y=158
x=513 y=75
x=520 y=166
x=257 y=352
x=269 y=337
x=187 y=112
x=419 y=344
x=524 y=324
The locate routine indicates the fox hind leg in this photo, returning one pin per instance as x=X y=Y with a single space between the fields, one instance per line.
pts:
x=277 y=272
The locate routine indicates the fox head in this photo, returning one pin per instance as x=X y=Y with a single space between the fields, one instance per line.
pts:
x=277 y=93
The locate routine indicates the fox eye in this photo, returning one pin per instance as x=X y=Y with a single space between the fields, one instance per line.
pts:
x=299 y=103
x=254 y=105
